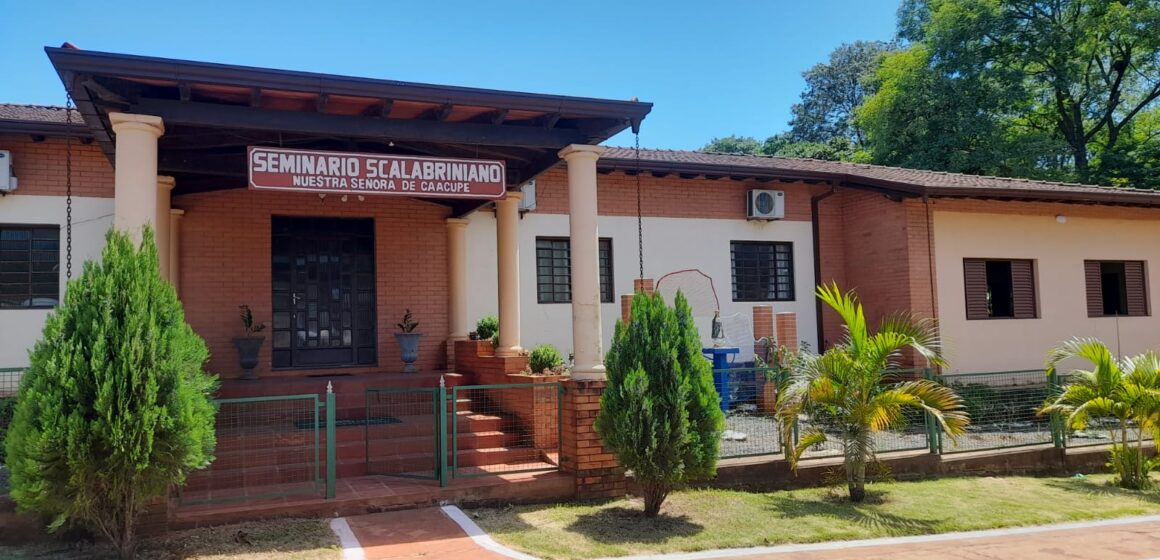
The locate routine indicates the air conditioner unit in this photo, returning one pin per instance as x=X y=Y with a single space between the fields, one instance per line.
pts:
x=765 y=205
x=7 y=181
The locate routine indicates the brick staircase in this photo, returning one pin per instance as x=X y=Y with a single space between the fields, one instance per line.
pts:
x=262 y=451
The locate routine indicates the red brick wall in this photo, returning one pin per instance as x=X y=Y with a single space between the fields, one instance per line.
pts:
x=225 y=262
x=671 y=196
x=40 y=167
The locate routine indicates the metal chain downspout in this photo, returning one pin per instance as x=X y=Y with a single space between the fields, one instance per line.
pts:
x=68 y=108
x=639 y=218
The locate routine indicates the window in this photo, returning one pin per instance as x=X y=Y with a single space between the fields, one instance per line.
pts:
x=29 y=267
x=762 y=271
x=554 y=269
x=1116 y=288
x=1000 y=288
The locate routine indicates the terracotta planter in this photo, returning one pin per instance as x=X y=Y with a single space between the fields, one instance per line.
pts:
x=766 y=396
x=248 y=349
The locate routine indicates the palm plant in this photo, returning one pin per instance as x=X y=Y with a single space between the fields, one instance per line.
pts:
x=848 y=391
x=1125 y=391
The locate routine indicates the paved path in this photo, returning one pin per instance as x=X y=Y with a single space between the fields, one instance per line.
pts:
x=416 y=533
x=433 y=533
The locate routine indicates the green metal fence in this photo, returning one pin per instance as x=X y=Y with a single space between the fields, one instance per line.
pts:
x=462 y=432
x=269 y=447
x=402 y=434
x=1002 y=406
x=505 y=429
x=9 y=385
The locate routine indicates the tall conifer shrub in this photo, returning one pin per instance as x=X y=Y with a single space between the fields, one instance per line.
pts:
x=114 y=409
x=660 y=413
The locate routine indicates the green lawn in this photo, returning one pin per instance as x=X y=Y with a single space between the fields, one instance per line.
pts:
x=291 y=539
x=709 y=519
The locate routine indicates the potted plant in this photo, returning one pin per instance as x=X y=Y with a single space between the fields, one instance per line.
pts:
x=250 y=344
x=408 y=341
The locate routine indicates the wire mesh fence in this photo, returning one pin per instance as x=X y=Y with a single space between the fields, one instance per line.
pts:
x=751 y=426
x=9 y=385
x=266 y=447
x=1002 y=407
x=402 y=431
x=505 y=429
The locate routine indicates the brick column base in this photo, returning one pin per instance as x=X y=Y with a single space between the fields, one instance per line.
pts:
x=598 y=474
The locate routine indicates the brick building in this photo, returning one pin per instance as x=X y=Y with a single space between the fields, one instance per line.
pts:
x=1008 y=267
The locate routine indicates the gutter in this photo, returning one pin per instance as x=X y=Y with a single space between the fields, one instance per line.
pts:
x=43 y=128
x=815 y=228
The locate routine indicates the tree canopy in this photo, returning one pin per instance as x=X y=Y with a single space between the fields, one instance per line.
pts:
x=1058 y=90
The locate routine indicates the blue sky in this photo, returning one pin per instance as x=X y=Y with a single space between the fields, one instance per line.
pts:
x=710 y=68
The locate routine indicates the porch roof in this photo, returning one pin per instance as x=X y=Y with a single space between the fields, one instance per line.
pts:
x=212 y=112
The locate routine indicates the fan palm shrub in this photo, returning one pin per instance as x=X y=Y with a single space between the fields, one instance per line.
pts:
x=1125 y=392
x=849 y=393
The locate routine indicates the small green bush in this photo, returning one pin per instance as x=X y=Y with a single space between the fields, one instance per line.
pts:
x=660 y=413
x=487 y=327
x=114 y=409
x=544 y=357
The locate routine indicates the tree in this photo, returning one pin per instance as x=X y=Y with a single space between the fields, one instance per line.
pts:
x=1077 y=71
x=846 y=391
x=660 y=412
x=733 y=144
x=1126 y=391
x=833 y=90
x=114 y=408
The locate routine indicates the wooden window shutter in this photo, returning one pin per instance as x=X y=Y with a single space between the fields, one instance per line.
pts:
x=1023 y=288
x=975 y=286
x=1136 y=288
x=1095 y=293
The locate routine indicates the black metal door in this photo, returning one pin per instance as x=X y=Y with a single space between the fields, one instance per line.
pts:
x=324 y=292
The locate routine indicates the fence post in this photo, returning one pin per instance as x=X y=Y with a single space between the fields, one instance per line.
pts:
x=1058 y=433
x=331 y=452
x=933 y=431
x=441 y=428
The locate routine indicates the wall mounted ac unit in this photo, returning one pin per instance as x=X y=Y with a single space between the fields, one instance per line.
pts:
x=765 y=205
x=7 y=181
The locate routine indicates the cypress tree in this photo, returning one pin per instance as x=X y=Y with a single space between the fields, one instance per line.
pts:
x=659 y=412
x=114 y=408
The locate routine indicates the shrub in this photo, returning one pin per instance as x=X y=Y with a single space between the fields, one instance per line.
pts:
x=660 y=413
x=545 y=357
x=114 y=408
x=487 y=327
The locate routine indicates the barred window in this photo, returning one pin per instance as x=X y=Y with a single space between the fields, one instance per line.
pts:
x=29 y=267
x=554 y=270
x=762 y=271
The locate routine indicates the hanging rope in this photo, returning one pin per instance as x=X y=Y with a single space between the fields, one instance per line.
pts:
x=68 y=108
x=639 y=219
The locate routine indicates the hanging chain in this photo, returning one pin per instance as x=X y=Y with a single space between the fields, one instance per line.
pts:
x=639 y=219
x=68 y=108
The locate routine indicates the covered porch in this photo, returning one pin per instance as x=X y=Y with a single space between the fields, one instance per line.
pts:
x=331 y=269
x=179 y=132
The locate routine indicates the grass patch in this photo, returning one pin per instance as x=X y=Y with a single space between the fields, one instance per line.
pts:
x=695 y=520
x=294 y=539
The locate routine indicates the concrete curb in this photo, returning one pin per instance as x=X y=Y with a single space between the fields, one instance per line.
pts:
x=479 y=537
x=351 y=548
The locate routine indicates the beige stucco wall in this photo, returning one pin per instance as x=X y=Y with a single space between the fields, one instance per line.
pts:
x=1059 y=251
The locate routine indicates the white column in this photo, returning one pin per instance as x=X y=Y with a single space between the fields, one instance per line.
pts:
x=175 y=217
x=457 y=283
x=507 y=216
x=135 y=171
x=586 y=337
x=161 y=225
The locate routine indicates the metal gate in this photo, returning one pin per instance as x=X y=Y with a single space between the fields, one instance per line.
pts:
x=466 y=431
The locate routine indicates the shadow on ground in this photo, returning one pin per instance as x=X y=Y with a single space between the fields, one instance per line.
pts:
x=1104 y=489
x=863 y=514
x=619 y=525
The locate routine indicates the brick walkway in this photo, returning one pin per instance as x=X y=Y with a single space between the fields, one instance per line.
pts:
x=417 y=533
